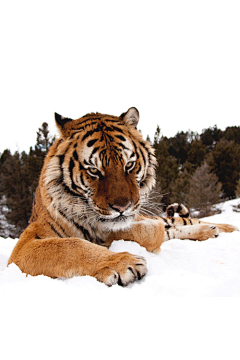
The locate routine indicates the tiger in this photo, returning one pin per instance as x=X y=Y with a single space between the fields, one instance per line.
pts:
x=94 y=181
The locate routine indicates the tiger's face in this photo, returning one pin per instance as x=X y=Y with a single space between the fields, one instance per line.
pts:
x=99 y=170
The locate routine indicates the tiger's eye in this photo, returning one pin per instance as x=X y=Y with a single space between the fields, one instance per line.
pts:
x=130 y=165
x=93 y=171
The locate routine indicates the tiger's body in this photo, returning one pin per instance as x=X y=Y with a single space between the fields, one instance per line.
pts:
x=94 y=180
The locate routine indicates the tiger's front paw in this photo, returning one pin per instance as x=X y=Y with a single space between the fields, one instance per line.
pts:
x=122 y=269
x=208 y=231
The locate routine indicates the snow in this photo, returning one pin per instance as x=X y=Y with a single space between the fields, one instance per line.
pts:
x=186 y=305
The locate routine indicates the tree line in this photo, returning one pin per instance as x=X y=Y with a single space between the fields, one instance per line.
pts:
x=19 y=175
x=198 y=170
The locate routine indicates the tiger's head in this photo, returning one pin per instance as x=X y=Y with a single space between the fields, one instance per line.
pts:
x=99 y=171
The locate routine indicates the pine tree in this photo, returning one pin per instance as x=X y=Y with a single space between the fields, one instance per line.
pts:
x=44 y=140
x=167 y=169
x=180 y=188
x=18 y=182
x=237 y=191
x=37 y=155
x=210 y=137
x=237 y=194
x=225 y=163
x=157 y=137
x=179 y=145
x=16 y=189
x=196 y=154
x=232 y=133
x=6 y=229
x=148 y=138
x=205 y=191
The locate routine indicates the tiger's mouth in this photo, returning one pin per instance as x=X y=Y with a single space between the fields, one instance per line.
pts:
x=114 y=218
x=118 y=219
x=120 y=222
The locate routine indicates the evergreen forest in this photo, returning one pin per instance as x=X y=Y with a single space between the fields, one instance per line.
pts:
x=198 y=170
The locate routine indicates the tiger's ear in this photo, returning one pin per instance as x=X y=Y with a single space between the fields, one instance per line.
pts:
x=131 y=117
x=61 y=121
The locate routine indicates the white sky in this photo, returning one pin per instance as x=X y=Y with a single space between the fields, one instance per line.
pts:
x=178 y=62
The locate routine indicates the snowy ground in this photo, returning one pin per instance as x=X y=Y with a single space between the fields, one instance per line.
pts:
x=172 y=312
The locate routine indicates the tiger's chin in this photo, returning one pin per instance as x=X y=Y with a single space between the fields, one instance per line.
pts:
x=119 y=223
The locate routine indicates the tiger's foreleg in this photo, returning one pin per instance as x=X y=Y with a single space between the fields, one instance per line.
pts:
x=147 y=232
x=68 y=257
x=192 y=232
x=185 y=219
x=222 y=227
x=182 y=222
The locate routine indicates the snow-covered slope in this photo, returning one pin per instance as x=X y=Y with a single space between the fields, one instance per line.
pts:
x=42 y=317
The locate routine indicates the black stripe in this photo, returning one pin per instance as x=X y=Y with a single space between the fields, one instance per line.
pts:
x=59 y=225
x=144 y=160
x=91 y=142
x=60 y=180
x=165 y=220
x=61 y=159
x=170 y=211
x=79 y=227
x=94 y=151
x=102 y=154
x=82 y=181
x=135 y=148
x=58 y=143
x=81 y=167
x=94 y=121
x=83 y=230
x=142 y=180
x=107 y=128
x=72 y=193
x=82 y=126
x=90 y=132
x=120 y=137
x=71 y=167
x=75 y=155
x=185 y=216
x=52 y=227
x=179 y=208
x=139 y=169
x=110 y=137
x=74 y=133
x=123 y=146
x=117 y=129
x=112 y=120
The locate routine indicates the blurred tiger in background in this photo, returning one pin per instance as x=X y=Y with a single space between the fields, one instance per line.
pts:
x=92 y=190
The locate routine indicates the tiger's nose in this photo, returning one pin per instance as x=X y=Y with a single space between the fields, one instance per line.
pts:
x=121 y=208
